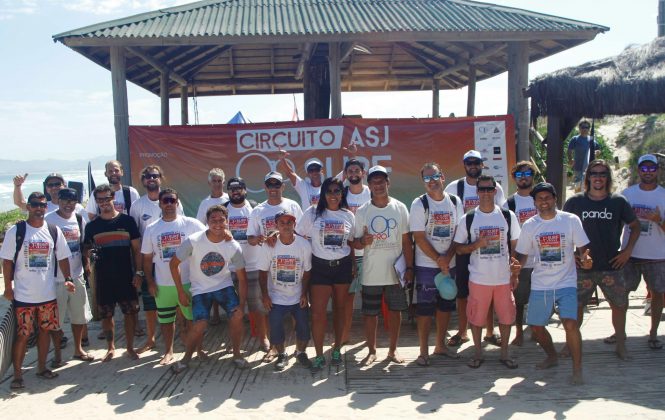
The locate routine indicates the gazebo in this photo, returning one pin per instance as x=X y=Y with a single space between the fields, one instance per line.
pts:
x=632 y=82
x=321 y=48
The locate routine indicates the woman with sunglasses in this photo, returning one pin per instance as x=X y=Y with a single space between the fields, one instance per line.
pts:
x=330 y=226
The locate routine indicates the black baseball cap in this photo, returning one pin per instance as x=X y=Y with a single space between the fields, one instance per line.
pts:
x=235 y=182
x=68 y=194
x=543 y=186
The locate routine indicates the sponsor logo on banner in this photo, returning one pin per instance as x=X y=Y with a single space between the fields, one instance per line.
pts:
x=153 y=155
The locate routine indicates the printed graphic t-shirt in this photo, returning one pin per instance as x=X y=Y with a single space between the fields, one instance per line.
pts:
x=329 y=232
x=524 y=210
x=74 y=237
x=651 y=244
x=309 y=194
x=470 y=198
x=286 y=265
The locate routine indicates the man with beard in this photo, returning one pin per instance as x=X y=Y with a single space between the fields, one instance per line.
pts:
x=465 y=189
x=648 y=257
x=521 y=203
x=309 y=189
x=159 y=244
x=54 y=182
x=115 y=239
x=123 y=196
x=603 y=216
x=217 y=196
x=145 y=211
x=240 y=211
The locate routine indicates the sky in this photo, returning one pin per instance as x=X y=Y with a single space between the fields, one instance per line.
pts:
x=57 y=104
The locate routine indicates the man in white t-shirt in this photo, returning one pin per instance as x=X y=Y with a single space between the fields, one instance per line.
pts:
x=53 y=182
x=29 y=283
x=309 y=189
x=382 y=232
x=217 y=194
x=489 y=237
x=551 y=237
x=433 y=219
x=284 y=278
x=521 y=203
x=124 y=195
x=648 y=257
x=465 y=189
x=211 y=254
x=75 y=304
x=159 y=243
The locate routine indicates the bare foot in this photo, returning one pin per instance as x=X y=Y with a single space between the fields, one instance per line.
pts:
x=369 y=359
x=621 y=351
x=203 y=356
x=131 y=354
x=518 y=340
x=146 y=347
x=108 y=356
x=565 y=352
x=167 y=359
x=548 y=363
x=577 y=379
x=395 y=358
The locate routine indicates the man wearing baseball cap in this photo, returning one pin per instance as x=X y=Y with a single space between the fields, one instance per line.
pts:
x=309 y=189
x=648 y=257
x=552 y=237
x=53 y=182
x=382 y=232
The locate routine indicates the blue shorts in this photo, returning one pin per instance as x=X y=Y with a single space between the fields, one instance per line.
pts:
x=541 y=305
x=428 y=298
x=227 y=298
x=276 y=318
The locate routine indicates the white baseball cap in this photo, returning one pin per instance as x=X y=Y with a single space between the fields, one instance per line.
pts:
x=273 y=175
x=472 y=154
x=378 y=169
x=313 y=161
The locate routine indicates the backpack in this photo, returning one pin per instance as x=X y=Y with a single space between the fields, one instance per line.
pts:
x=469 y=220
x=511 y=204
x=425 y=203
x=127 y=197
x=20 y=237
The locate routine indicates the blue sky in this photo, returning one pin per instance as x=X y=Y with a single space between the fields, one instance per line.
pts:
x=57 y=104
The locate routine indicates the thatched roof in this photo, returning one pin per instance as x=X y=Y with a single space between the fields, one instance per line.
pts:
x=631 y=83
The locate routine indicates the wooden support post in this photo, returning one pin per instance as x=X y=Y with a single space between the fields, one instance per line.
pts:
x=164 y=97
x=436 y=86
x=316 y=89
x=518 y=107
x=471 y=92
x=555 y=170
x=120 y=111
x=184 y=110
x=335 y=80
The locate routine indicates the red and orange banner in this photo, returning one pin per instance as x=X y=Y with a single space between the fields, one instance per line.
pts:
x=187 y=153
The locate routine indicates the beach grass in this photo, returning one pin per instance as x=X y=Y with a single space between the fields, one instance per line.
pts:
x=8 y=219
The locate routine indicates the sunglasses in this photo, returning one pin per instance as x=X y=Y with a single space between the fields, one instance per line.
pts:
x=38 y=204
x=646 y=168
x=236 y=189
x=523 y=174
x=273 y=185
x=336 y=191
x=54 y=184
x=152 y=176
x=314 y=169
x=103 y=199
x=169 y=200
x=486 y=189
x=435 y=177
x=585 y=127
x=473 y=162
x=599 y=174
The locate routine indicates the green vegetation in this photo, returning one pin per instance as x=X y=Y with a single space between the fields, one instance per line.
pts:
x=9 y=218
x=639 y=126
x=652 y=143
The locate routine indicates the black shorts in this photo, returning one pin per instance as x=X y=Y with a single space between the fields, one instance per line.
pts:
x=523 y=290
x=329 y=272
x=462 y=275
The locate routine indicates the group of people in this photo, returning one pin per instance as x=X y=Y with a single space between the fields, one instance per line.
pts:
x=282 y=259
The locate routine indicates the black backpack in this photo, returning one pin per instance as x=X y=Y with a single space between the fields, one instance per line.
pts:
x=511 y=203
x=425 y=203
x=126 y=195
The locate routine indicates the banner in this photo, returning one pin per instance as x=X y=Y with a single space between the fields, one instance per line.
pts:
x=187 y=153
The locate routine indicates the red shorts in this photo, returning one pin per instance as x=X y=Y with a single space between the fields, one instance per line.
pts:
x=44 y=315
x=480 y=299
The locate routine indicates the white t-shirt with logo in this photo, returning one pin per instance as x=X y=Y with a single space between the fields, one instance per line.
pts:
x=490 y=265
x=330 y=232
x=387 y=225
x=286 y=265
x=145 y=211
x=553 y=242
x=354 y=201
x=262 y=220
x=470 y=198
x=238 y=225
x=118 y=201
x=524 y=210
x=162 y=239
x=74 y=237
x=439 y=227
x=309 y=195
x=33 y=278
x=209 y=262
x=207 y=203
x=651 y=244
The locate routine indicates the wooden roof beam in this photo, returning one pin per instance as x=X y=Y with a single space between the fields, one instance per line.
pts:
x=433 y=63
x=453 y=59
x=205 y=60
x=163 y=68
x=473 y=60
x=305 y=55
x=231 y=69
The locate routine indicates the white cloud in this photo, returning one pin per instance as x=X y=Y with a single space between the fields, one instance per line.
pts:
x=106 y=7
x=9 y=9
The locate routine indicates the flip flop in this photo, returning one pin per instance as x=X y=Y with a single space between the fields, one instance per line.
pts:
x=611 y=339
x=475 y=363
x=85 y=357
x=493 y=340
x=655 y=344
x=448 y=355
x=17 y=384
x=55 y=364
x=395 y=359
x=457 y=340
x=509 y=363
x=47 y=374
x=179 y=367
x=241 y=363
x=422 y=361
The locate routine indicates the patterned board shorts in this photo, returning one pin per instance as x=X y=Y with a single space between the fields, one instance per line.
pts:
x=612 y=283
x=652 y=271
x=44 y=315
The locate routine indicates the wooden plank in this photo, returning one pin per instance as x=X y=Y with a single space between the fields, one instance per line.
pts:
x=518 y=107
x=435 y=98
x=335 y=80
x=120 y=111
x=184 y=110
x=164 y=98
x=163 y=68
x=471 y=92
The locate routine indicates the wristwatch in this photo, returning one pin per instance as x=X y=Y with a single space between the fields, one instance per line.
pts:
x=139 y=273
x=69 y=279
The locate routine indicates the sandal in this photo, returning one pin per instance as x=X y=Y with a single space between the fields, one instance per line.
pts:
x=179 y=367
x=47 y=374
x=56 y=364
x=509 y=363
x=493 y=340
x=85 y=357
x=17 y=384
x=241 y=363
x=475 y=363
x=422 y=360
x=611 y=339
x=655 y=344
x=457 y=340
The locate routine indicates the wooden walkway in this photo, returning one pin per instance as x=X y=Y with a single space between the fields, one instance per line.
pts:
x=613 y=387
